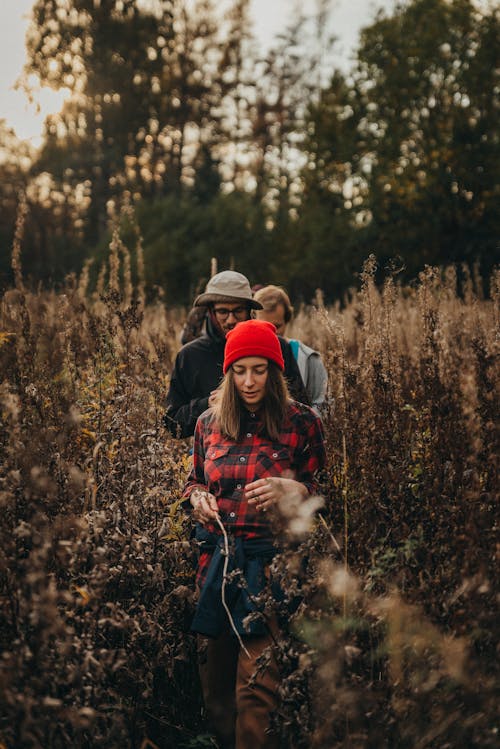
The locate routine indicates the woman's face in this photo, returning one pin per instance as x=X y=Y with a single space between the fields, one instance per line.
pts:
x=276 y=316
x=250 y=378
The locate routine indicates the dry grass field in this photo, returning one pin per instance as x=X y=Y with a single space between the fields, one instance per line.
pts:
x=394 y=643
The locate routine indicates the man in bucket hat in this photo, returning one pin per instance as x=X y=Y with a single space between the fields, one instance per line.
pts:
x=198 y=367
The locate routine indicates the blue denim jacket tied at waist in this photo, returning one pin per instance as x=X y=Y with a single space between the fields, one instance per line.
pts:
x=250 y=557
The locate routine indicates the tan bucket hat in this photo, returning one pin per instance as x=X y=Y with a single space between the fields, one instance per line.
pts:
x=227 y=286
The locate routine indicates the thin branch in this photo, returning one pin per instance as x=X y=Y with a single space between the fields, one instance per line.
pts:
x=224 y=577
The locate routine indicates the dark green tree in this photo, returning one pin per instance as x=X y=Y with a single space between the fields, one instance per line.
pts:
x=181 y=235
x=410 y=141
x=144 y=81
x=435 y=181
x=324 y=247
x=105 y=53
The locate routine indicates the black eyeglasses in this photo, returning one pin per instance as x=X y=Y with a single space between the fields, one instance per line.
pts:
x=239 y=313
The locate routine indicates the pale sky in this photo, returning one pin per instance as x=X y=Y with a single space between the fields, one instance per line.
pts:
x=348 y=16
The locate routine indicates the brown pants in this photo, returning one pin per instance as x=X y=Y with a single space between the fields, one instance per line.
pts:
x=238 y=711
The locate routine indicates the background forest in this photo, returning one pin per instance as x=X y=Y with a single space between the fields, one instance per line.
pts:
x=279 y=164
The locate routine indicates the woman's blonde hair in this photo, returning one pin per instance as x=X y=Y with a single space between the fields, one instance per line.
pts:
x=228 y=408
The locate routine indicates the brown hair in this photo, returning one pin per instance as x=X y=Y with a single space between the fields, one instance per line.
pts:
x=270 y=296
x=228 y=407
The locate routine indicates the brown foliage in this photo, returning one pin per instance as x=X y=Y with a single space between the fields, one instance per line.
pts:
x=394 y=639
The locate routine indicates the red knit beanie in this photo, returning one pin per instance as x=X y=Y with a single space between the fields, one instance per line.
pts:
x=253 y=338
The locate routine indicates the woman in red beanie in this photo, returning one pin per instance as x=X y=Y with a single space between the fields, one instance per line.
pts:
x=253 y=449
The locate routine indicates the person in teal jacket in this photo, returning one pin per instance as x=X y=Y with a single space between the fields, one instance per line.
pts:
x=277 y=309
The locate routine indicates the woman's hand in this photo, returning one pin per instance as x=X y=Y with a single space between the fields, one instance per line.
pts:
x=265 y=493
x=204 y=505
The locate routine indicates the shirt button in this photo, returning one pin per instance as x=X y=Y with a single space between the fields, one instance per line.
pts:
x=252 y=415
x=232 y=514
x=275 y=455
x=242 y=459
x=249 y=434
x=238 y=486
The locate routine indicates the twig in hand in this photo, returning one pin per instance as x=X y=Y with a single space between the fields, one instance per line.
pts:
x=224 y=576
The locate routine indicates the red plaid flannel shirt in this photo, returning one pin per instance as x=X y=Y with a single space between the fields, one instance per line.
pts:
x=223 y=467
